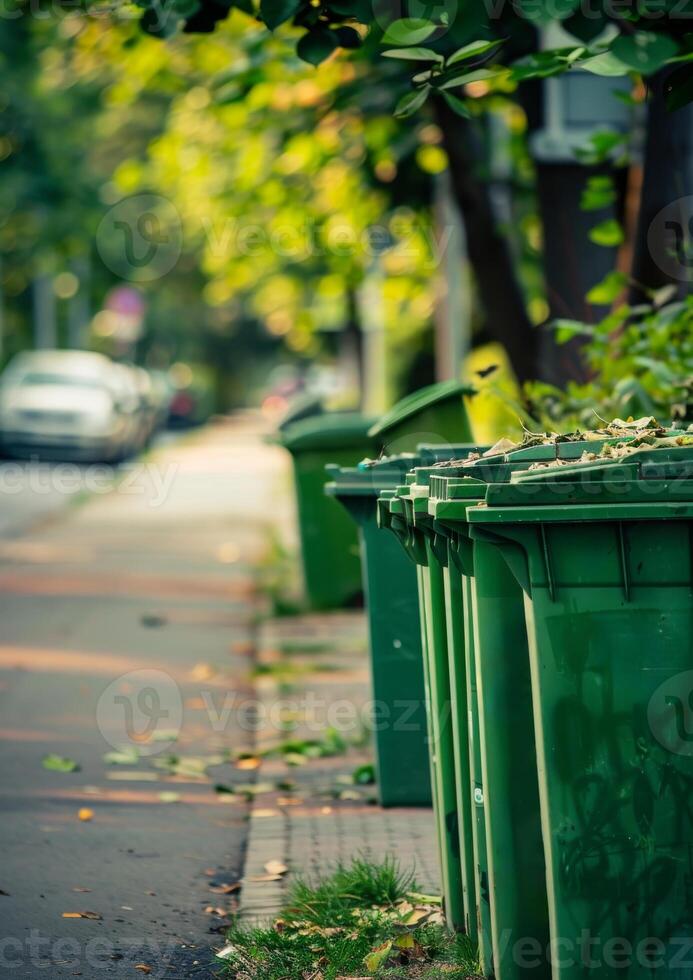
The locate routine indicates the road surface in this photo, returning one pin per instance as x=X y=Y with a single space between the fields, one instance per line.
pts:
x=128 y=627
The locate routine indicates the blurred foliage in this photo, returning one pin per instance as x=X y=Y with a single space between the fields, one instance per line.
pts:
x=642 y=359
x=635 y=36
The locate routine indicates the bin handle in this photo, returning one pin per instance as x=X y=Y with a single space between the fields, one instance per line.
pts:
x=515 y=557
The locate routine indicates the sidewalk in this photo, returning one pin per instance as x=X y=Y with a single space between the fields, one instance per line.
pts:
x=121 y=865
x=314 y=687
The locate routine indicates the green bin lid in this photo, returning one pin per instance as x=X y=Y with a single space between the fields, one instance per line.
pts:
x=333 y=430
x=412 y=405
x=658 y=473
x=301 y=407
x=370 y=477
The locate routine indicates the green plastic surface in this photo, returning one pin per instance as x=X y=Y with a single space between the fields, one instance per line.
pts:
x=435 y=414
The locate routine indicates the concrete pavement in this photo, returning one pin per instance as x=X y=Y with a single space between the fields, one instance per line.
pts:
x=128 y=626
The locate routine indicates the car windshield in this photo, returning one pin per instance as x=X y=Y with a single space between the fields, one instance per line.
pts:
x=46 y=378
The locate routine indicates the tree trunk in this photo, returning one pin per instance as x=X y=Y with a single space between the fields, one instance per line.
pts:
x=572 y=263
x=662 y=253
x=494 y=270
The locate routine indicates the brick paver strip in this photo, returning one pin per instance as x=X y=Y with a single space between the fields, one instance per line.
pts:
x=307 y=827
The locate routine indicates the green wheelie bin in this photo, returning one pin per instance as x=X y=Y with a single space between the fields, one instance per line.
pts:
x=506 y=897
x=396 y=511
x=329 y=546
x=329 y=543
x=389 y=579
x=602 y=552
x=433 y=415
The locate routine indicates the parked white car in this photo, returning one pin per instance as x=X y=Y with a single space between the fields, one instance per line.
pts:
x=68 y=404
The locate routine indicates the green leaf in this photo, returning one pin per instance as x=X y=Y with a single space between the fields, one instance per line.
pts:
x=644 y=51
x=567 y=329
x=608 y=233
x=58 y=763
x=606 y=65
x=122 y=757
x=378 y=957
x=481 y=74
x=317 y=45
x=457 y=105
x=413 y=54
x=545 y=11
x=472 y=50
x=364 y=775
x=276 y=12
x=410 y=102
x=409 y=30
x=585 y=28
x=608 y=290
x=348 y=38
x=599 y=193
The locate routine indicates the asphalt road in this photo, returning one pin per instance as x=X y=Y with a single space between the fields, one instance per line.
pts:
x=35 y=490
x=127 y=624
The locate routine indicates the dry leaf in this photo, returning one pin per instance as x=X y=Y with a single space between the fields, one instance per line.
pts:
x=276 y=868
x=85 y=890
x=143 y=968
x=85 y=814
x=226 y=953
x=250 y=762
x=224 y=889
x=216 y=910
x=83 y=915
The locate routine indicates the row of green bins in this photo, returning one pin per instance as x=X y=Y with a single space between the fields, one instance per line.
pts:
x=389 y=580
x=602 y=552
x=329 y=546
x=494 y=888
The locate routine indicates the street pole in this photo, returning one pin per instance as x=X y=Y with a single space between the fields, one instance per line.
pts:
x=372 y=318
x=453 y=308
x=45 y=324
x=78 y=305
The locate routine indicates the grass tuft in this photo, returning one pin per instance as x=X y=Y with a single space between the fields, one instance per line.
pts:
x=365 y=919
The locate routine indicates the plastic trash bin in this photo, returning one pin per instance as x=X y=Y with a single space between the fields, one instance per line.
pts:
x=455 y=634
x=435 y=415
x=329 y=543
x=602 y=552
x=390 y=587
